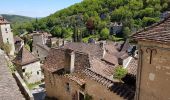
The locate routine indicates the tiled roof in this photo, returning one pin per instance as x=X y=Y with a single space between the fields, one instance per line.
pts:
x=120 y=89
x=159 y=32
x=3 y=21
x=76 y=79
x=55 y=60
x=132 y=66
x=8 y=86
x=24 y=57
x=91 y=49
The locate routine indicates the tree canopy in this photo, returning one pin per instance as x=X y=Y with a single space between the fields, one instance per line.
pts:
x=93 y=17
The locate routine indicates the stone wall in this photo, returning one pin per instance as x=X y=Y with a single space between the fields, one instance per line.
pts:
x=56 y=87
x=22 y=86
x=40 y=51
x=34 y=70
x=154 y=71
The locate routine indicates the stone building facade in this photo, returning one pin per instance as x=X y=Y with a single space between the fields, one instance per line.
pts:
x=77 y=72
x=40 y=49
x=6 y=35
x=153 y=77
x=28 y=66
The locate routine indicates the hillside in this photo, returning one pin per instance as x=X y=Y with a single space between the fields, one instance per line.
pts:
x=16 y=18
x=95 y=18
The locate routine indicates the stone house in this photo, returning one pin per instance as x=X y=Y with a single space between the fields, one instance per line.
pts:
x=40 y=49
x=78 y=71
x=55 y=42
x=116 y=28
x=6 y=35
x=153 y=77
x=28 y=66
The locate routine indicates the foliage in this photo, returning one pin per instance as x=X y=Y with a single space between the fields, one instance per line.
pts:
x=90 y=17
x=120 y=72
x=104 y=34
x=33 y=85
x=6 y=47
x=88 y=97
x=27 y=47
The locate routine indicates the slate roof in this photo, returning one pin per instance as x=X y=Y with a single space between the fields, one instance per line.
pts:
x=3 y=21
x=24 y=57
x=159 y=32
x=8 y=86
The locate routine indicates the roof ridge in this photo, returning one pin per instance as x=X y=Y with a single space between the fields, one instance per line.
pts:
x=151 y=26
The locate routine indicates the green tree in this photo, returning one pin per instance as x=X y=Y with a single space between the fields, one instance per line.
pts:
x=56 y=31
x=126 y=32
x=104 y=34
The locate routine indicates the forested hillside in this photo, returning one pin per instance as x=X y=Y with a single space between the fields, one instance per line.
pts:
x=92 y=18
x=16 y=18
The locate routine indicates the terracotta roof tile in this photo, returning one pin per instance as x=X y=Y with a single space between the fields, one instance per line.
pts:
x=3 y=21
x=91 y=49
x=159 y=32
x=55 y=60
x=24 y=57
x=132 y=67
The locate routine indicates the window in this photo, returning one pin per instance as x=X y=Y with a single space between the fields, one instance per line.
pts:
x=23 y=70
x=7 y=40
x=6 y=30
x=68 y=87
x=38 y=73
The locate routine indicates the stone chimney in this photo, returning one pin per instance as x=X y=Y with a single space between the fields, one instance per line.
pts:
x=120 y=61
x=69 y=61
x=102 y=45
x=72 y=60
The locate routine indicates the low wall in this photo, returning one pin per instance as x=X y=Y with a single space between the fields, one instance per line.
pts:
x=23 y=87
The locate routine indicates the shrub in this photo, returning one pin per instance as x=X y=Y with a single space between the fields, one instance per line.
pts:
x=120 y=72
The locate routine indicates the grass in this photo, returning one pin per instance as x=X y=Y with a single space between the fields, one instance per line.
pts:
x=33 y=85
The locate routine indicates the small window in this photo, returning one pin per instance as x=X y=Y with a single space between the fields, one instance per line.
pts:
x=6 y=29
x=68 y=87
x=38 y=73
x=23 y=70
x=7 y=40
x=37 y=51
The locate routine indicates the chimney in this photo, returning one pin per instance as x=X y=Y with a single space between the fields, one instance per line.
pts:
x=69 y=60
x=102 y=45
x=72 y=60
x=120 y=61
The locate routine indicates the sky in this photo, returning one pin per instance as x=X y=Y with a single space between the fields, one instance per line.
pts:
x=34 y=8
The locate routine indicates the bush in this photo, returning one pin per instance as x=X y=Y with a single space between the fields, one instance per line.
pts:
x=120 y=72
x=6 y=47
